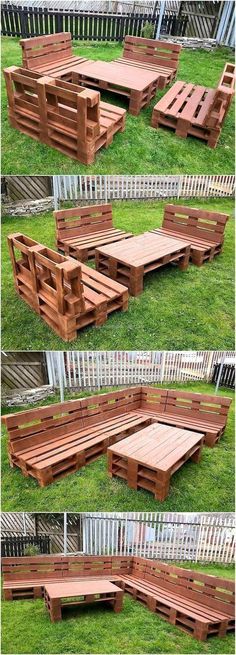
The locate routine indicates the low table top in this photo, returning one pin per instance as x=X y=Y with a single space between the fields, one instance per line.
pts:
x=125 y=76
x=143 y=249
x=81 y=588
x=158 y=446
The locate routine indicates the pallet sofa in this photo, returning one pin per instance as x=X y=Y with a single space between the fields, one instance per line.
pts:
x=66 y=294
x=201 y=605
x=62 y=115
x=158 y=56
x=196 y=110
x=50 y=55
x=82 y=229
x=204 y=230
x=50 y=442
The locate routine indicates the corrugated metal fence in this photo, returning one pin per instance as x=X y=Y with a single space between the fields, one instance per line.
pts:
x=124 y=187
x=96 y=369
x=168 y=536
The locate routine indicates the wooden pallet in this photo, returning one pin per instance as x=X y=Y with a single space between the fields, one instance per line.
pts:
x=61 y=115
x=149 y=54
x=203 y=229
x=81 y=592
x=137 y=84
x=50 y=55
x=66 y=294
x=149 y=459
x=196 y=110
x=129 y=261
x=82 y=229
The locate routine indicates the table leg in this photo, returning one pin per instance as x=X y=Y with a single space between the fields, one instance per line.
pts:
x=118 y=602
x=55 y=609
x=135 y=280
x=184 y=260
x=135 y=102
x=132 y=473
x=162 y=486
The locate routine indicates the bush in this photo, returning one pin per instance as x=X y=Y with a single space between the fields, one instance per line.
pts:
x=32 y=550
x=148 y=30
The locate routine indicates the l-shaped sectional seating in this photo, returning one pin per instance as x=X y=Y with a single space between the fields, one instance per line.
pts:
x=199 y=604
x=53 y=441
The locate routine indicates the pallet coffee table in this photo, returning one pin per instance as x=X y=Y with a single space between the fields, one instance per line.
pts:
x=149 y=458
x=138 y=84
x=128 y=262
x=81 y=593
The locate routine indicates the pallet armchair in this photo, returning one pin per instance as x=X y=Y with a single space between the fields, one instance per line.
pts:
x=158 y=56
x=196 y=110
x=66 y=294
x=203 y=229
x=50 y=442
x=82 y=229
x=200 y=604
x=62 y=115
x=50 y=55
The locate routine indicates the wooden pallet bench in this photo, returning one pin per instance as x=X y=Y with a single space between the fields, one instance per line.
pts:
x=50 y=55
x=82 y=592
x=185 y=409
x=82 y=229
x=66 y=294
x=138 y=85
x=51 y=442
x=202 y=605
x=196 y=110
x=203 y=229
x=61 y=115
x=158 y=56
x=148 y=459
x=129 y=261
x=25 y=577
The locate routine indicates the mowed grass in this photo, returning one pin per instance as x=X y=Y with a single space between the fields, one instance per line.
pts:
x=26 y=628
x=140 y=149
x=204 y=487
x=176 y=311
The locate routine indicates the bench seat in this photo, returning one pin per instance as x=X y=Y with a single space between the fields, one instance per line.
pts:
x=211 y=430
x=201 y=250
x=196 y=618
x=150 y=54
x=66 y=454
x=34 y=587
x=83 y=248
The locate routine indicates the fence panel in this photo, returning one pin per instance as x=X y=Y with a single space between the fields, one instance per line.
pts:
x=227 y=378
x=22 y=187
x=15 y=546
x=85 y=25
x=140 y=187
x=166 y=536
x=97 y=369
x=23 y=370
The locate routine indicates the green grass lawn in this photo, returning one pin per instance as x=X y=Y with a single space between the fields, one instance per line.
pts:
x=140 y=149
x=177 y=310
x=26 y=628
x=208 y=486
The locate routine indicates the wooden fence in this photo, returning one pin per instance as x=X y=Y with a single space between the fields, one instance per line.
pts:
x=23 y=187
x=23 y=370
x=203 y=18
x=12 y=546
x=170 y=536
x=140 y=187
x=84 y=25
x=227 y=377
x=97 y=369
x=50 y=526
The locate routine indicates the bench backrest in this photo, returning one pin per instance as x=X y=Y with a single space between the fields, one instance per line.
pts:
x=39 y=425
x=150 y=51
x=54 y=107
x=207 y=226
x=214 y=592
x=154 y=399
x=42 y=50
x=198 y=405
x=47 y=274
x=222 y=98
x=45 y=567
x=80 y=221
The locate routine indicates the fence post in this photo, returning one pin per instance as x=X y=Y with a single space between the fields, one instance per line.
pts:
x=161 y=14
x=209 y=364
x=220 y=372
x=65 y=534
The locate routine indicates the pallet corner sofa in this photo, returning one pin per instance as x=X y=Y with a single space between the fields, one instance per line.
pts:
x=67 y=294
x=203 y=229
x=50 y=442
x=200 y=604
x=195 y=110
x=82 y=229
